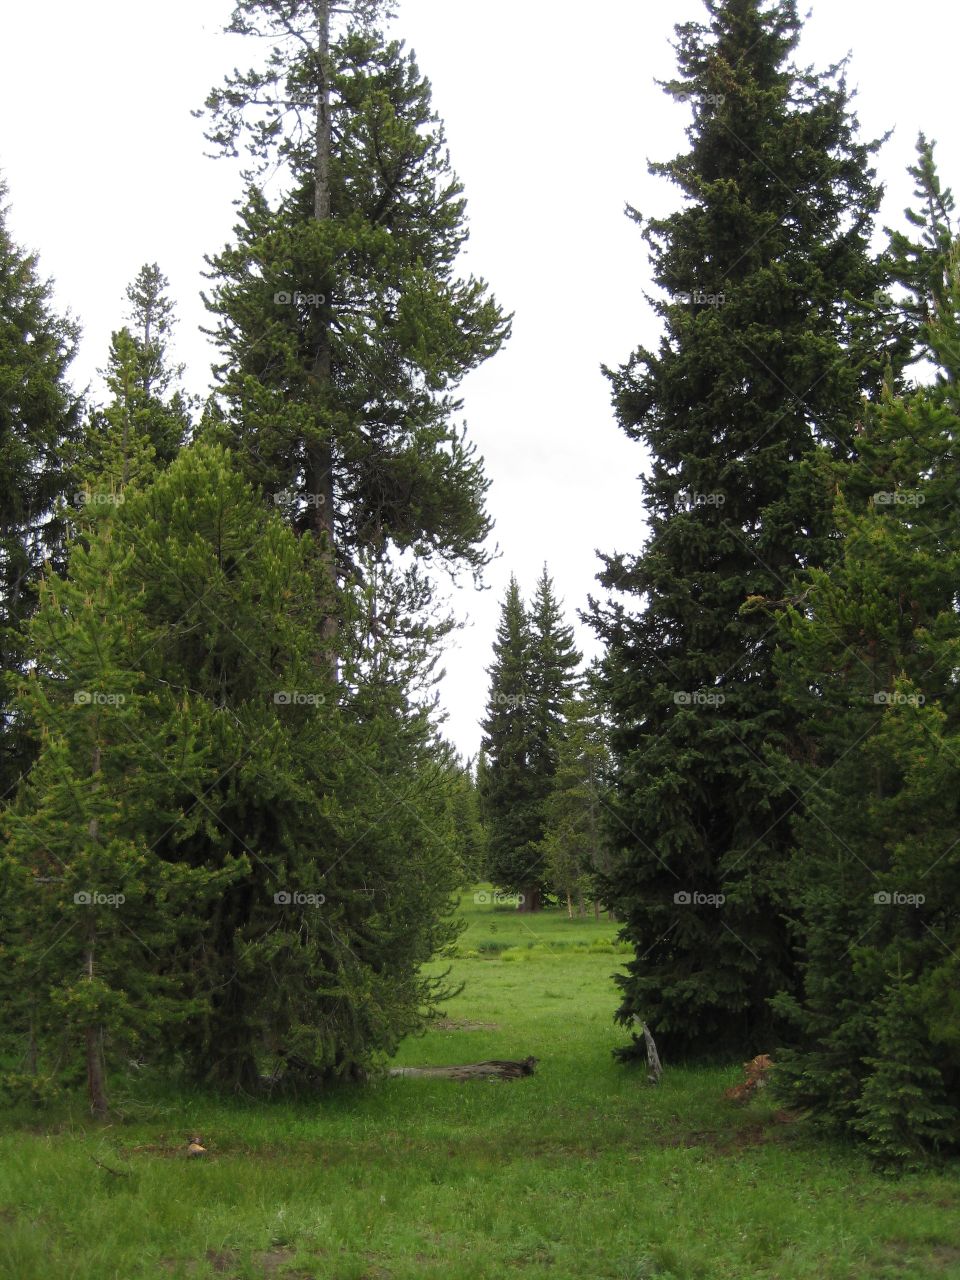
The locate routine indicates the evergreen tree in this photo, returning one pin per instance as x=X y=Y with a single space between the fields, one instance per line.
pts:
x=512 y=793
x=344 y=325
x=91 y=911
x=147 y=420
x=553 y=660
x=766 y=352
x=318 y=811
x=870 y=659
x=39 y=416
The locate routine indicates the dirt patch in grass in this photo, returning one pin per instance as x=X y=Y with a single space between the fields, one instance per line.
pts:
x=268 y=1262
x=937 y=1259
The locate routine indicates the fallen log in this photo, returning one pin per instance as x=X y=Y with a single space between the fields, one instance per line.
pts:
x=494 y=1069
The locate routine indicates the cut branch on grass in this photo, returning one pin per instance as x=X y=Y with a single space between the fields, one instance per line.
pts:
x=494 y=1069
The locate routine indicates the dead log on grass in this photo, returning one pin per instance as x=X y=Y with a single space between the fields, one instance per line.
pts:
x=493 y=1070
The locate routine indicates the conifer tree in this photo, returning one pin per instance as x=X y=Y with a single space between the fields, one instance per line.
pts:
x=511 y=797
x=91 y=911
x=344 y=325
x=317 y=811
x=39 y=418
x=870 y=661
x=765 y=353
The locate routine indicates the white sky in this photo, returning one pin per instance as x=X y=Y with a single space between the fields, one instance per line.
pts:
x=551 y=113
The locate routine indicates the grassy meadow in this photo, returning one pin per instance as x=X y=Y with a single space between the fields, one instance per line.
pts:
x=581 y=1170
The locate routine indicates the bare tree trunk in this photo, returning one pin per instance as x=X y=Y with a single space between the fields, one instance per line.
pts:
x=581 y=909
x=569 y=906
x=596 y=908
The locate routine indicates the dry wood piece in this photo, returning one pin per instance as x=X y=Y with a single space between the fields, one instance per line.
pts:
x=495 y=1069
x=756 y=1072
x=653 y=1058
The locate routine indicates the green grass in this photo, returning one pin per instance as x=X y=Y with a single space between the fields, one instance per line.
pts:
x=581 y=1170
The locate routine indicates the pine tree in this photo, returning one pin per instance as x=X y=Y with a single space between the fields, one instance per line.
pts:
x=871 y=661
x=512 y=792
x=147 y=420
x=554 y=660
x=39 y=417
x=344 y=325
x=766 y=352
x=91 y=911
x=317 y=810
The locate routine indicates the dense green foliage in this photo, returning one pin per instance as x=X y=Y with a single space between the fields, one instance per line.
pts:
x=766 y=353
x=532 y=676
x=39 y=419
x=870 y=660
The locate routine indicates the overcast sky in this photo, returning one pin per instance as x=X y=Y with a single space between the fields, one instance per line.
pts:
x=551 y=113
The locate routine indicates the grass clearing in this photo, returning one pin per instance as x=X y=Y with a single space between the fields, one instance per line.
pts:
x=581 y=1170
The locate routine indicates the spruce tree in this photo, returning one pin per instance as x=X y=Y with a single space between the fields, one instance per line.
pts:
x=765 y=354
x=39 y=418
x=512 y=794
x=870 y=661
x=344 y=325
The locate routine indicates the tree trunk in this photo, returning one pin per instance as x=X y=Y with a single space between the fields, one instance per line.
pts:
x=596 y=908
x=529 y=899
x=569 y=906
x=502 y=1070
x=96 y=1083
x=581 y=909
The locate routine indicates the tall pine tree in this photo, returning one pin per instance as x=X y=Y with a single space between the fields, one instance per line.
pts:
x=39 y=419
x=344 y=324
x=765 y=353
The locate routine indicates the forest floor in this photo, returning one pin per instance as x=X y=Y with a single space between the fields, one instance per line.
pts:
x=583 y=1169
